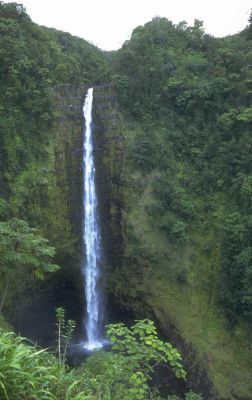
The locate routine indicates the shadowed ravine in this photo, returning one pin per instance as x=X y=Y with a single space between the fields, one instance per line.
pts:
x=109 y=153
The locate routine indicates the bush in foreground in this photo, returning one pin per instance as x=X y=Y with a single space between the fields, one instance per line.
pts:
x=31 y=374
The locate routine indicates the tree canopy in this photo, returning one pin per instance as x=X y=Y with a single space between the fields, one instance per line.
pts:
x=22 y=252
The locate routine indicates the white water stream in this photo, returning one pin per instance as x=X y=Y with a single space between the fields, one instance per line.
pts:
x=91 y=235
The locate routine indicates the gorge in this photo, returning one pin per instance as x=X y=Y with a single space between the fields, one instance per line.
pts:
x=172 y=151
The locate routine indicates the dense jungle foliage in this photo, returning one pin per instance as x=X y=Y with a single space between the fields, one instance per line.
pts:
x=27 y=372
x=184 y=100
x=189 y=96
x=33 y=62
x=186 y=97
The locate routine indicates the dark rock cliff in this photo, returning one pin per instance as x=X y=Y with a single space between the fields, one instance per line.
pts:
x=33 y=309
x=61 y=221
x=127 y=295
x=110 y=136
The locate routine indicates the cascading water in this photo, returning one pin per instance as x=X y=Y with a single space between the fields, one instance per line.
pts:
x=91 y=235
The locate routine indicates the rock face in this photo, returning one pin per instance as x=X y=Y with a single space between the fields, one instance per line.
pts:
x=110 y=147
x=62 y=225
x=110 y=136
x=184 y=311
x=131 y=288
x=61 y=221
x=109 y=159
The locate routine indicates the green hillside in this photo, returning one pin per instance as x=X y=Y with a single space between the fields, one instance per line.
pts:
x=172 y=117
x=186 y=97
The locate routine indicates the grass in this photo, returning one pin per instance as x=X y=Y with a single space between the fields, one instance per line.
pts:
x=30 y=373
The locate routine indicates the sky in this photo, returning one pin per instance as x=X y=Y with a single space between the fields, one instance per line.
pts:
x=108 y=23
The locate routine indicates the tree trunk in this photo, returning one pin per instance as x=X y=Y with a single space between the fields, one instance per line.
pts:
x=4 y=294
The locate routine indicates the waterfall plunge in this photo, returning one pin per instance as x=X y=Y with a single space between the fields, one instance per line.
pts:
x=91 y=235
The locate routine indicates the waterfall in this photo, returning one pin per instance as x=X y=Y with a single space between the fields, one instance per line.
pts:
x=91 y=235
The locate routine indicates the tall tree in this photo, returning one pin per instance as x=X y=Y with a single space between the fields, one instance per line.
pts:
x=22 y=249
